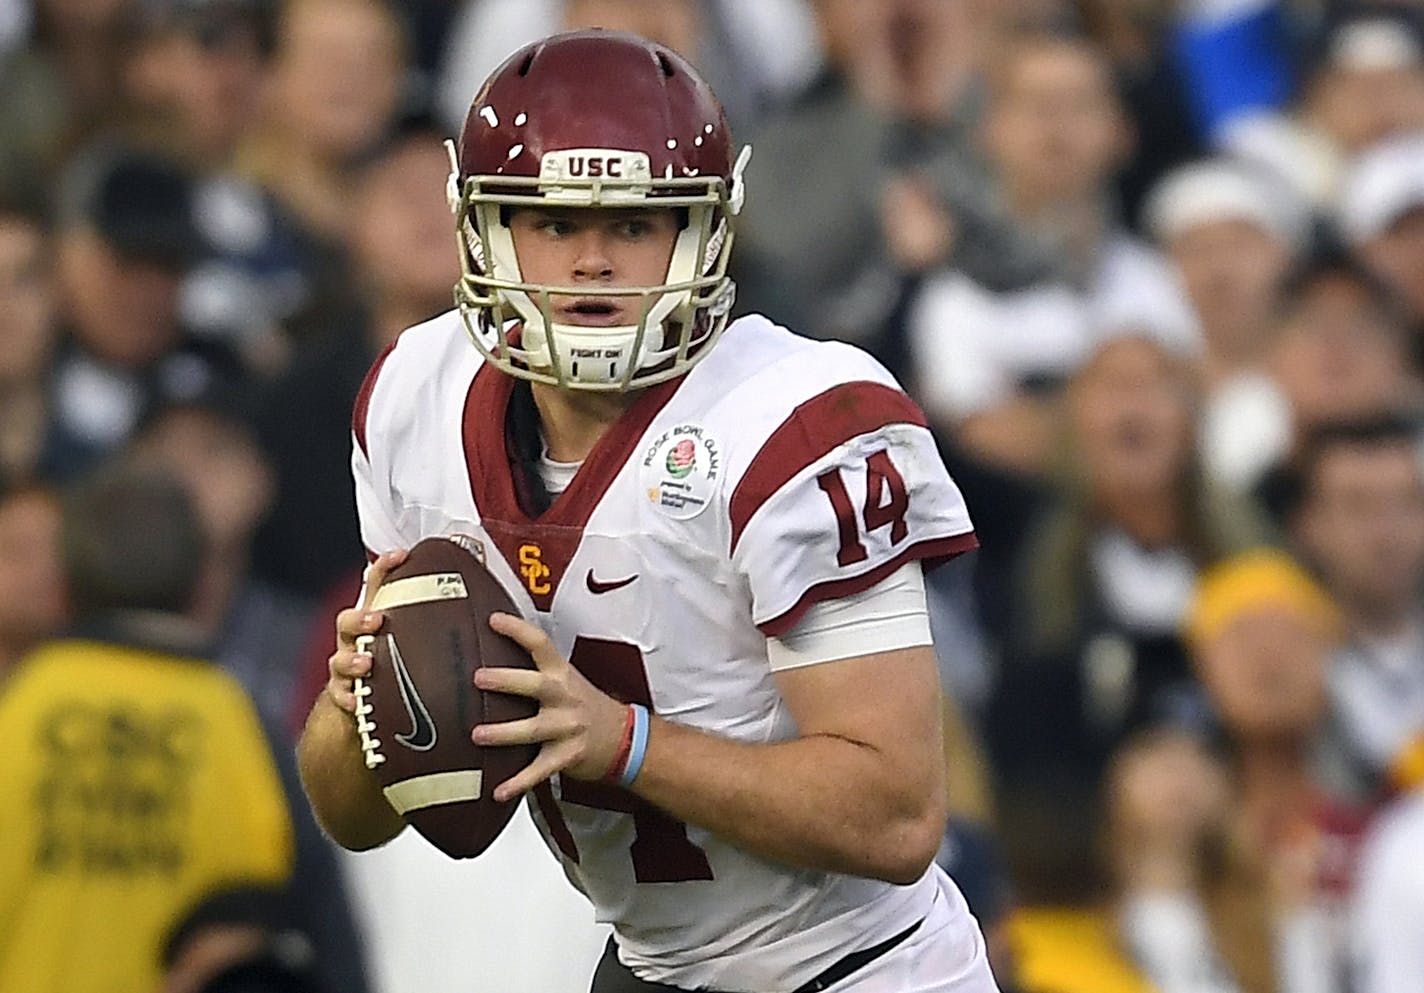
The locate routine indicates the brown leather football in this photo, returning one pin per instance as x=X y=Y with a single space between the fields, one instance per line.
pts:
x=416 y=709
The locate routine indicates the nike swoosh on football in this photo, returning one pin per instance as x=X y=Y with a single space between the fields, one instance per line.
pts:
x=421 y=737
x=594 y=586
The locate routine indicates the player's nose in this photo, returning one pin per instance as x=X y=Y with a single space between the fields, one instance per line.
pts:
x=592 y=258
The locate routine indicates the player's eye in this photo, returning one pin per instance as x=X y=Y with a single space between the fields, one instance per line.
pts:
x=558 y=227
x=634 y=228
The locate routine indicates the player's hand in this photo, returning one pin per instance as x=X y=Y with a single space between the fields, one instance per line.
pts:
x=346 y=663
x=579 y=726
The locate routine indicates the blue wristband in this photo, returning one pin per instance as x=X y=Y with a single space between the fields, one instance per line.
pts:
x=639 y=747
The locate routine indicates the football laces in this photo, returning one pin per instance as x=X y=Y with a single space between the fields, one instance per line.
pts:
x=365 y=727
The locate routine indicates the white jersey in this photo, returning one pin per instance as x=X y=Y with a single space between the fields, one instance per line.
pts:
x=778 y=473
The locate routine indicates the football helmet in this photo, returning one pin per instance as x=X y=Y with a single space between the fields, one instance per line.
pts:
x=592 y=119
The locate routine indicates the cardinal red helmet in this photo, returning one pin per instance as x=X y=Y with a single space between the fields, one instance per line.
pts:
x=594 y=119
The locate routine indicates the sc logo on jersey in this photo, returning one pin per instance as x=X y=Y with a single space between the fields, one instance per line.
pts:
x=533 y=569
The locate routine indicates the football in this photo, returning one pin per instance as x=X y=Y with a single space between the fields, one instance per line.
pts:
x=416 y=709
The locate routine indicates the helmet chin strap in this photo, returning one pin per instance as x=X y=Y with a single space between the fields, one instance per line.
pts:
x=584 y=355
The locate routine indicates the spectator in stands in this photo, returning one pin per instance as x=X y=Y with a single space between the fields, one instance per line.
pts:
x=139 y=776
x=254 y=631
x=1055 y=131
x=1233 y=234
x=1212 y=218
x=1056 y=135
x=335 y=91
x=1340 y=351
x=402 y=274
x=1139 y=520
x=892 y=185
x=1160 y=788
x=1382 y=216
x=60 y=90
x=28 y=329
x=1262 y=634
x=1361 y=81
x=200 y=70
x=1358 y=519
x=198 y=67
x=125 y=238
x=1388 y=925
x=1141 y=928
x=1168 y=806
x=1367 y=86
x=32 y=601
x=1142 y=44
x=1104 y=578
x=1227 y=862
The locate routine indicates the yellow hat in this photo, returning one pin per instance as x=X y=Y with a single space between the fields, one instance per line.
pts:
x=1262 y=577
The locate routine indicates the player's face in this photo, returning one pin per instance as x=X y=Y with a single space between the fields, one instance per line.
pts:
x=590 y=249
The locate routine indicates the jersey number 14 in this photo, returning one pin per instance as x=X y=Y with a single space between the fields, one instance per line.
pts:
x=886 y=502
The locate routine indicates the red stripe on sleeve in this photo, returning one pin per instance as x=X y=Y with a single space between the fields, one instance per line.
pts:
x=363 y=398
x=813 y=430
x=933 y=553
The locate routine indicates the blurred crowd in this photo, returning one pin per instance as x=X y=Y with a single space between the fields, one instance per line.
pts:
x=1153 y=268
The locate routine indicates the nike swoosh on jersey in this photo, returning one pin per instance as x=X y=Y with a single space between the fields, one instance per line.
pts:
x=595 y=586
x=421 y=737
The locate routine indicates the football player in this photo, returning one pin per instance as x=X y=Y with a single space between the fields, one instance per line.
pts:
x=716 y=535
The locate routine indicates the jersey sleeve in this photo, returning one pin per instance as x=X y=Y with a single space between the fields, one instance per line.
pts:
x=844 y=491
x=375 y=509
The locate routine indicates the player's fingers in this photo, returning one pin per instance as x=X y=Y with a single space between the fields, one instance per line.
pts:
x=348 y=623
x=527 y=636
x=343 y=668
x=520 y=732
x=353 y=622
x=521 y=682
x=343 y=695
x=349 y=665
x=376 y=574
x=550 y=760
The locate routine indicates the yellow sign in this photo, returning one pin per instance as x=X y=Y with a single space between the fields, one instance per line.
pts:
x=533 y=569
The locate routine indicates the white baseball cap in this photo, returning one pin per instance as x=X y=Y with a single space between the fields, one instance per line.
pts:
x=1385 y=182
x=1222 y=189
x=1374 y=41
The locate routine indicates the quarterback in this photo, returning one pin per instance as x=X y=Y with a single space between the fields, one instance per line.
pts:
x=715 y=532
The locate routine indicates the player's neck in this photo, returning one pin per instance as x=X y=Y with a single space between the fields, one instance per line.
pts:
x=573 y=422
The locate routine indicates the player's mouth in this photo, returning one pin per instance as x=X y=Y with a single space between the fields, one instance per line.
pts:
x=596 y=312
